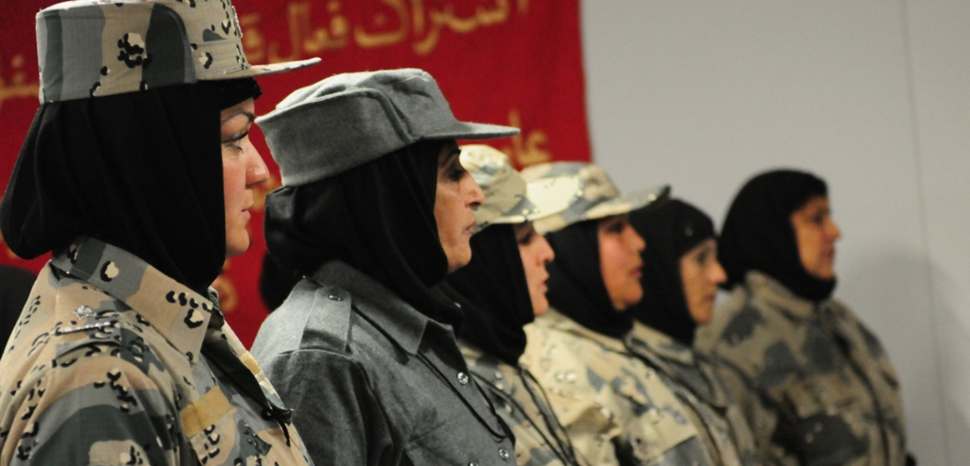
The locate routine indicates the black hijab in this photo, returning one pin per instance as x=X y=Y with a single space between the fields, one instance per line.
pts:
x=758 y=233
x=378 y=218
x=576 y=287
x=671 y=229
x=493 y=294
x=141 y=171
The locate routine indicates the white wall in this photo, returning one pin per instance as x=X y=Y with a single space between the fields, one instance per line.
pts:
x=872 y=96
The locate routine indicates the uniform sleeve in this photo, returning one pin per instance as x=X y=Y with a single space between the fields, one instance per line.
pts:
x=334 y=409
x=98 y=411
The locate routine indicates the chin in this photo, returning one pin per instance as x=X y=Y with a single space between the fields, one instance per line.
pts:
x=235 y=248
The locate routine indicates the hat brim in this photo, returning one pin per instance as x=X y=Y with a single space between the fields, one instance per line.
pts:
x=265 y=70
x=627 y=203
x=474 y=131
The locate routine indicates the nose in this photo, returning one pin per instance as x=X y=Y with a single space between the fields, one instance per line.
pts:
x=636 y=241
x=546 y=253
x=834 y=231
x=475 y=195
x=718 y=275
x=256 y=171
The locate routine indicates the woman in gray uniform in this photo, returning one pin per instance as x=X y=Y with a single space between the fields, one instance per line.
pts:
x=680 y=279
x=375 y=209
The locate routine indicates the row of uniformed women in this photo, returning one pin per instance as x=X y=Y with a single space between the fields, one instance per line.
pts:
x=122 y=356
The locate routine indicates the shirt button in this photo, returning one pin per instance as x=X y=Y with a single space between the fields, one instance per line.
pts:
x=463 y=378
x=504 y=454
x=334 y=297
x=473 y=464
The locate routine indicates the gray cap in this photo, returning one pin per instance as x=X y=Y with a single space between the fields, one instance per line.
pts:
x=597 y=197
x=94 y=48
x=350 y=119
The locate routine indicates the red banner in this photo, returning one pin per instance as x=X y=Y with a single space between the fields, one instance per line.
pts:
x=514 y=62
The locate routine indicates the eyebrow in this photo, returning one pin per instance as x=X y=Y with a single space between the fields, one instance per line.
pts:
x=232 y=115
x=452 y=153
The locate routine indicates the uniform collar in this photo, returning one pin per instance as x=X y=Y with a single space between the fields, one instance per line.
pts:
x=554 y=319
x=775 y=295
x=661 y=344
x=401 y=322
x=178 y=313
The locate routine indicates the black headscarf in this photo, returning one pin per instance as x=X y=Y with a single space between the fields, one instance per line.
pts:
x=671 y=229
x=758 y=233
x=378 y=218
x=141 y=171
x=576 y=286
x=275 y=282
x=15 y=285
x=493 y=294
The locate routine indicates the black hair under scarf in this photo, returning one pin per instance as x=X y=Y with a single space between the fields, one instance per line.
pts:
x=576 y=287
x=671 y=229
x=378 y=218
x=493 y=294
x=758 y=233
x=141 y=171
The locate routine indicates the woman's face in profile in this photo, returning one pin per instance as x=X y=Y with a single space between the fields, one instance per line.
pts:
x=536 y=253
x=701 y=273
x=815 y=235
x=457 y=194
x=242 y=170
x=620 y=262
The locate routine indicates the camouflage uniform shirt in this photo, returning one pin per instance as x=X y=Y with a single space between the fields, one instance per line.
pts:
x=815 y=384
x=615 y=408
x=720 y=422
x=114 y=363
x=540 y=440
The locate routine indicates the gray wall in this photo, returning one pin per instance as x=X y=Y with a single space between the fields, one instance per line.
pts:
x=872 y=96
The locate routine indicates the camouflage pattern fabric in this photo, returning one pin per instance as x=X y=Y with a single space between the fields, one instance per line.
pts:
x=615 y=409
x=720 y=422
x=597 y=196
x=540 y=440
x=93 y=48
x=114 y=363
x=814 y=382
x=508 y=198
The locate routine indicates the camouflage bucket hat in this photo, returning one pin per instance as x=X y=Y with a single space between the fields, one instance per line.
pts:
x=349 y=119
x=597 y=196
x=508 y=198
x=94 y=48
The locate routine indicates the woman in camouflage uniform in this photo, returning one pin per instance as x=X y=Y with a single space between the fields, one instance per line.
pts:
x=680 y=280
x=615 y=408
x=501 y=290
x=121 y=355
x=814 y=382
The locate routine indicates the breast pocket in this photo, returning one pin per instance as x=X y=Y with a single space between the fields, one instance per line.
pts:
x=460 y=440
x=822 y=420
x=209 y=424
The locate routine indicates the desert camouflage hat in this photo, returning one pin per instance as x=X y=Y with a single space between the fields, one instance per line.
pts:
x=94 y=48
x=597 y=196
x=508 y=198
x=349 y=119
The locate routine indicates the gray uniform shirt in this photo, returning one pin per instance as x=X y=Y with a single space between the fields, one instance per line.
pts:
x=373 y=381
